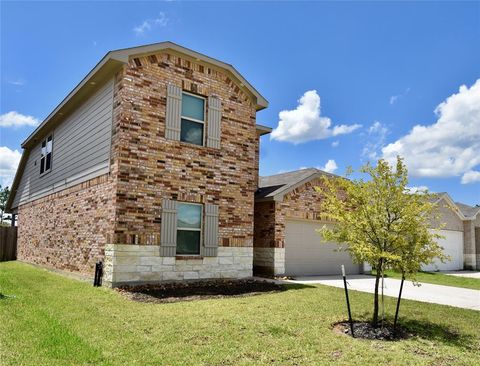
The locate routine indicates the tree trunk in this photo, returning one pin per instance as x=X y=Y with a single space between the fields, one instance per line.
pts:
x=375 y=297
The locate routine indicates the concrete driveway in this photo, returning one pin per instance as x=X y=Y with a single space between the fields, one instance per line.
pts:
x=444 y=295
x=469 y=274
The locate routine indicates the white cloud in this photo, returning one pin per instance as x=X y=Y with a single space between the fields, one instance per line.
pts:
x=377 y=133
x=160 y=21
x=417 y=189
x=15 y=119
x=471 y=176
x=9 y=160
x=305 y=123
x=344 y=129
x=335 y=143
x=330 y=166
x=450 y=146
x=17 y=82
x=394 y=98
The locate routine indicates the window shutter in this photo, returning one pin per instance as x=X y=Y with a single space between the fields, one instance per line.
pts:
x=168 y=234
x=214 y=119
x=174 y=111
x=210 y=242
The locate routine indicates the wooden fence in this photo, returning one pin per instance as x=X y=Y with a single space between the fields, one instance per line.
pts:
x=8 y=243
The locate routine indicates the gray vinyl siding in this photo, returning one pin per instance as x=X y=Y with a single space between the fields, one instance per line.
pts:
x=211 y=231
x=174 y=111
x=81 y=149
x=168 y=230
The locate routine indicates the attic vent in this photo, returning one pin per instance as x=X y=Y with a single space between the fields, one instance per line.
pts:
x=137 y=62
x=153 y=59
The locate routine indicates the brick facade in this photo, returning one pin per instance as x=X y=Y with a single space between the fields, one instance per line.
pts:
x=151 y=167
x=68 y=230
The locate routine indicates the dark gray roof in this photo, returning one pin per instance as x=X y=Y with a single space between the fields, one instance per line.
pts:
x=468 y=211
x=279 y=184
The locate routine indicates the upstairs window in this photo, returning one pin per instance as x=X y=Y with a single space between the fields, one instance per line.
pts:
x=189 y=228
x=46 y=155
x=192 y=119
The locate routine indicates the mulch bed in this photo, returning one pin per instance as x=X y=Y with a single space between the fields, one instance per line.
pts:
x=207 y=289
x=365 y=330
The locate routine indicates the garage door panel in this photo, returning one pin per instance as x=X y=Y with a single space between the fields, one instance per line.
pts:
x=306 y=254
x=452 y=244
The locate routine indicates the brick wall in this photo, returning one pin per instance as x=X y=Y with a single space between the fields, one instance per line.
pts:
x=151 y=167
x=68 y=230
x=264 y=226
x=303 y=202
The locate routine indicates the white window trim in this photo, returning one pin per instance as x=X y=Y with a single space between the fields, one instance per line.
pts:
x=192 y=229
x=45 y=156
x=194 y=119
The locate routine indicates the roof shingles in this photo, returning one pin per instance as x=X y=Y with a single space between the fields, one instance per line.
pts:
x=277 y=184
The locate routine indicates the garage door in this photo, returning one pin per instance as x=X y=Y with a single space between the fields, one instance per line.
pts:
x=306 y=255
x=453 y=246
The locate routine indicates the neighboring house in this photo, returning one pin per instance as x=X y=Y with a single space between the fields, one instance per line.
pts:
x=288 y=211
x=470 y=232
x=150 y=164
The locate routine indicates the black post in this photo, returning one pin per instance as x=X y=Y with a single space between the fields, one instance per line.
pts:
x=398 y=304
x=348 y=301
x=97 y=281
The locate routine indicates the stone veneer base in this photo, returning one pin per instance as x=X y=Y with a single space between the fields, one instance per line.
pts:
x=470 y=261
x=269 y=261
x=136 y=264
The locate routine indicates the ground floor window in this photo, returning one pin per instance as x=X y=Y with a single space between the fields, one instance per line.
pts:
x=189 y=228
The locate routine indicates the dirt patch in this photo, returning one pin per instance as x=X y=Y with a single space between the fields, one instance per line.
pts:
x=365 y=330
x=188 y=291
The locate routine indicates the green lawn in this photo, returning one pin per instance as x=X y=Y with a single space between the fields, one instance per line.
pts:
x=47 y=319
x=441 y=279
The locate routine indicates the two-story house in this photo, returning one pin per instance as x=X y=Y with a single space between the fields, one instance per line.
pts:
x=150 y=164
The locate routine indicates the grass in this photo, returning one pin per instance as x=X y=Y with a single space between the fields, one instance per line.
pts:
x=47 y=319
x=438 y=278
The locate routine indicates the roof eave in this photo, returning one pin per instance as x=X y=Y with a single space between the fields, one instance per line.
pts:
x=124 y=54
x=454 y=207
x=114 y=60
x=263 y=130
x=85 y=88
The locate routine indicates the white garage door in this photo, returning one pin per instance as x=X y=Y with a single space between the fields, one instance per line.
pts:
x=306 y=255
x=453 y=246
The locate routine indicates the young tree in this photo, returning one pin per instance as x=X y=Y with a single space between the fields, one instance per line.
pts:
x=380 y=222
x=4 y=192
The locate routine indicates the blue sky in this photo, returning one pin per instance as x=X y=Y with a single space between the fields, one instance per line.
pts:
x=377 y=68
